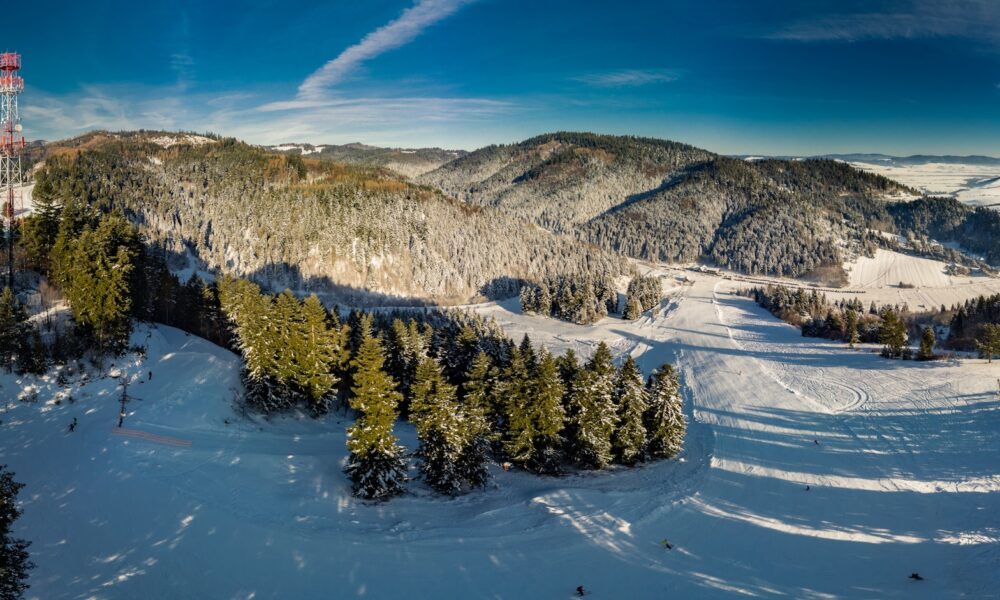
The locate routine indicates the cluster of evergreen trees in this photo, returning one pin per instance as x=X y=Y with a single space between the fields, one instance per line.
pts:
x=14 y=560
x=470 y=392
x=293 y=350
x=579 y=299
x=845 y=320
x=643 y=294
x=970 y=319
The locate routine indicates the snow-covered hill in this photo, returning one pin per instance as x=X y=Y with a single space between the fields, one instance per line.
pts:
x=199 y=501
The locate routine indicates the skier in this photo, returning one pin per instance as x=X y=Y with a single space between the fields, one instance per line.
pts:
x=816 y=442
x=807 y=488
x=666 y=544
x=150 y=378
x=580 y=591
x=121 y=416
x=916 y=576
x=72 y=426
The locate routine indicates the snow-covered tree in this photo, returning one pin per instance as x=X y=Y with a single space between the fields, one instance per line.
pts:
x=665 y=421
x=440 y=425
x=631 y=398
x=376 y=465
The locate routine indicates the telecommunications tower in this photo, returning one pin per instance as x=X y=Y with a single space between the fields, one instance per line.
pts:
x=11 y=148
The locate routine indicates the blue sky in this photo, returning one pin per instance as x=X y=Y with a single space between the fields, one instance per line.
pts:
x=733 y=76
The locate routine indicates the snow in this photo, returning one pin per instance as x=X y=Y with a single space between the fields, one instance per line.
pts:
x=905 y=478
x=172 y=140
x=972 y=184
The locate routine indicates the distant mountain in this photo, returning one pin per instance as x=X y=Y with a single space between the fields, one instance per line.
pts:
x=667 y=201
x=409 y=162
x=357 y=234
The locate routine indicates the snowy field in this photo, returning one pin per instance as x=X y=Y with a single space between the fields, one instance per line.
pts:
x=975 y=185
x=901 y=460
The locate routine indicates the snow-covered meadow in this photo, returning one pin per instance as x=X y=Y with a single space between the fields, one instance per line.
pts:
x=810 y=471
x=972 y=184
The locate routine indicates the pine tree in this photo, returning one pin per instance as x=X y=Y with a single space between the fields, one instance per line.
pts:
x=98 y=283
x=14 y=559
x=594 y=422
x=548 y=415
x=989 y=341
x=528 y=353
x=851 y=326
x=892 y=334
x=318 y=355
x=927 y=341
x=13 y=320
x=631 y=398
x=517 y=424
x=665 y=421
x=478 y=409
x=440 y=428
x=376 y=465
x=633 y=309
x=593 y=404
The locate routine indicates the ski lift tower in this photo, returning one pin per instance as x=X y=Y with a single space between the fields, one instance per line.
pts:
x=11 y=148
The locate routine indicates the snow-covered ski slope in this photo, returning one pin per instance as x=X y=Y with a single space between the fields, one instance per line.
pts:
x=905 y=477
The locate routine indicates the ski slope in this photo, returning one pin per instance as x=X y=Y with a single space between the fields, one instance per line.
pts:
x=199 y=501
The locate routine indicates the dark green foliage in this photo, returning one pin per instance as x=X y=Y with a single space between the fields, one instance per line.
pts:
x=631 y=398
x=97 y=271
x=13 y=329
x=440 y=426
x=643 y=294
x=665 y=421
x=594 y=409
x=989 y=341
x=892 y=335
x=14 y=559
x=375 y=466
x=969 y=319
x=582 y=300
x=927 y=341
x=534 y=416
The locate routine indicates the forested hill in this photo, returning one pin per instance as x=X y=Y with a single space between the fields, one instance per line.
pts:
x=562 y=180
x=354 y=232
x=666 y=201
x=409 y=162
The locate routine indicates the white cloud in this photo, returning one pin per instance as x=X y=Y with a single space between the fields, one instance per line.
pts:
x=399 y=32
x=407 y=120
x=628 y=78
x=975 y=19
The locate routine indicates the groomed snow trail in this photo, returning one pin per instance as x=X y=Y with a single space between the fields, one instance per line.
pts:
x=904 y=478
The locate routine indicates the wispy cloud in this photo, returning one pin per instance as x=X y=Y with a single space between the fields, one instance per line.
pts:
x=913 y=19
x=628 y=78
x=396 y=121
x=394 y=34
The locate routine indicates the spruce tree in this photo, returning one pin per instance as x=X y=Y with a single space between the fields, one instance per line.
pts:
x=927 y=341
x=14 y=559
x=375 y=466
x=440 y=428
x=13 y=320
x=318 y=354
x=594 y=421
x=665 y=421
x=851 y=327
x=989 y=341
x=631 y=398
x=548 y=415
x=517 y=425
x=892 y=334
x=479 y=410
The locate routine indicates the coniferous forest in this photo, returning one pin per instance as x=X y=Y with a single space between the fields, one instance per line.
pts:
x=473 y=395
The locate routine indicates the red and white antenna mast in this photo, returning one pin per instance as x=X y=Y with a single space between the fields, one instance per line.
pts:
x=11 y=148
